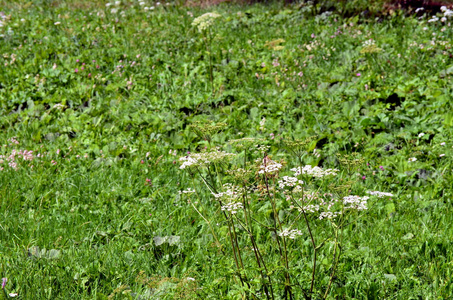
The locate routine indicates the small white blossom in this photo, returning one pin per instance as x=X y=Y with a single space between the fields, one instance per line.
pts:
x=412 y=159
x=421 y=134
x=442 y=144
x=329 y=215
x=379 y=194
x=232 y=207
x=231 y=193
x=355 y=202
x=288 y=181
x=204 y=158
x=269 y=166
x=314 y=171
x=262 y=123
x=188 y=191
x=292 y=234
x=205 y=21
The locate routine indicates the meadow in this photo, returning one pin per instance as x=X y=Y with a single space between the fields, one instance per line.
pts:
x=167 y=151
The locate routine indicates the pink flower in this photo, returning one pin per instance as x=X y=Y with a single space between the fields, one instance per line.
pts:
x=76 y=70
x=363 y=177
x=4 y=280
x=358 y=74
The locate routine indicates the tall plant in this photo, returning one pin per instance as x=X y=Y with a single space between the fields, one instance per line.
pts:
x=267 y=213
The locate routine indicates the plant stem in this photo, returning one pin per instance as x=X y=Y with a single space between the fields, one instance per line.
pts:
x=336 y=259
x=314 y=254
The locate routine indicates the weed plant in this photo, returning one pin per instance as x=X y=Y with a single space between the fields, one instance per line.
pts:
x=276 y=154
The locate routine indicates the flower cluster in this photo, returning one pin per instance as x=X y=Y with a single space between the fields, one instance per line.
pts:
x=288 y=181
x=314 y=171
x=232 y=207
x=355 y=202
x=14 y=156
x=316 y=202
x=269 y=166
x=329 y=215
x=379 y=194
x=369 y=46
x=292 y=234
x=3 y=19
x=205 y=21
x=447 y=14
x=204 y=158
x=231 y=197
x=188 y=191
x=231 y=193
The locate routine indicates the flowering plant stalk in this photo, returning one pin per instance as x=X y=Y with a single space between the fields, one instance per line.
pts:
x=204 y=24
x=307 y=205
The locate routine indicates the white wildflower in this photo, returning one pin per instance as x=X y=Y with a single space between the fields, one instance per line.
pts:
x=314 y=171
x=204 y=158
x=58 y=106
x=292 y=234
x=329 y=215
x=269 y=166
x=288 y=181
x=379 y=194
x=205 y=21
x=421 y=134
x=262 y=123
x=355 y=202
x=448 y=13
x=232 y=207
x=188 y=191
x=412 y=159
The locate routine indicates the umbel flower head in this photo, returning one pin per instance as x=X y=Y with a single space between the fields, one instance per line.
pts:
x=292 y=234
x=314 y=171
x=230 y=198
x=205 y=21
x=370 y=47
x=204 y=158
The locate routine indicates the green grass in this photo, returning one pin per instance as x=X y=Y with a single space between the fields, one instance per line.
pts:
x=97 y=214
